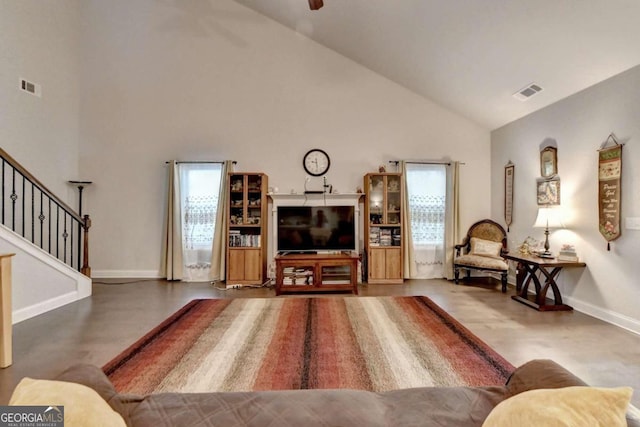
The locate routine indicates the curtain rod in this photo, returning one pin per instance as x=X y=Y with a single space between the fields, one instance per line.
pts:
x=203 y=161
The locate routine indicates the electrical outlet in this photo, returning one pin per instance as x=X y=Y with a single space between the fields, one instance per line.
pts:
x=234 y=286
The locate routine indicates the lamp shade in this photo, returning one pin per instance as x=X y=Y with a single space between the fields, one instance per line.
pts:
x=549 y=218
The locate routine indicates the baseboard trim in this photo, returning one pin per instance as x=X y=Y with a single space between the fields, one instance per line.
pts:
x=45 y=306
x=617 y=319
x=126 y=274
x=620 y=320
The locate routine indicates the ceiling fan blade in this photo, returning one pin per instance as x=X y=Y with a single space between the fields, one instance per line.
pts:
x=315 y=4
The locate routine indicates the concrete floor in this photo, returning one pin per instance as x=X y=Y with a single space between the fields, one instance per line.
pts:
x=98 y=328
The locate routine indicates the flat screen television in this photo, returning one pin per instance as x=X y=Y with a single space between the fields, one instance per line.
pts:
x=316 y=228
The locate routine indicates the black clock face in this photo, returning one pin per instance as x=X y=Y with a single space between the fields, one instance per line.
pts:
x=316 y=162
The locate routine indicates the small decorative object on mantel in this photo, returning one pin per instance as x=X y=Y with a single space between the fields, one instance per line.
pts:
x=609 y=189
x=509 y=170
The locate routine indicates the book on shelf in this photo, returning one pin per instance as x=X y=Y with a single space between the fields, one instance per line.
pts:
x=297 y=276
x=374 y=236
x=385 y=237
x=238 y=240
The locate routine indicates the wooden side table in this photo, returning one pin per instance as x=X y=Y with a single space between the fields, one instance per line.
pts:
x=527 y=272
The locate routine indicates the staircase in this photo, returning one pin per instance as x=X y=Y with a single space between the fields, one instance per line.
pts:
x=50 y=240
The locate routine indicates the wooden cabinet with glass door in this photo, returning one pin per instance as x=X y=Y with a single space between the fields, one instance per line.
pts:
x=383 y=227
x=247 y=229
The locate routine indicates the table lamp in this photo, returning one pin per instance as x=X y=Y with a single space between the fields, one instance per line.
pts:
x=548 y=217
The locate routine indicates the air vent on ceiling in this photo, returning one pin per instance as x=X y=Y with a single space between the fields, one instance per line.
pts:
x=32 y=88
x=527 y=92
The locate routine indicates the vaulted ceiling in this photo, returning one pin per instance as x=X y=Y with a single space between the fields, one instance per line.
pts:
x=471 y=56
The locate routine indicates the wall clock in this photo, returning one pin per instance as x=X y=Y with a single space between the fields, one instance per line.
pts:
x=316 y=162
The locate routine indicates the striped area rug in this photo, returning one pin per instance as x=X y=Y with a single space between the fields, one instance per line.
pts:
x=367 y=343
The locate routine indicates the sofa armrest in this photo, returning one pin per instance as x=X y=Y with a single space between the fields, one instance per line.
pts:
x=541 y=373
x=94 y=378
x=544 y=373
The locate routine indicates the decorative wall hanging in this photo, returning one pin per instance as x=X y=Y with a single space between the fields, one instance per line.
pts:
x=548 y=191
x=609 y=189
x=548 y=162
x=509 y=170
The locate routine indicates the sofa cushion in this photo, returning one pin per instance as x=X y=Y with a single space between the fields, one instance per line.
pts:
x=429 y=406
x=568 y=406
x=486 y=248
x=426 y=406
x=479 y=261
x=83 y=407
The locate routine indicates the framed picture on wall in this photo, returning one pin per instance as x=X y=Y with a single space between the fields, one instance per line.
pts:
x=548 y=162
x=548 y=192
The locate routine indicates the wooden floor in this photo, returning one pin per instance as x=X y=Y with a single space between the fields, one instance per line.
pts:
x=96 y=329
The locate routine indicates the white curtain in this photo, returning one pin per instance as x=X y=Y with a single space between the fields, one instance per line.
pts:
x=424 y=220
x=192 y=205
x=452 y=226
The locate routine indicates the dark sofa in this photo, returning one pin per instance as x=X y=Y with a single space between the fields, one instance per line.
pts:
x=429 y=406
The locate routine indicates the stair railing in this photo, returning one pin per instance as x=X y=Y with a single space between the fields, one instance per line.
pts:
x=35 y=213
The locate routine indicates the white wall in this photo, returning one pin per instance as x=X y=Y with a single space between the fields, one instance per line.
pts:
x=40 y=282
x=40 y=42
x=213 y=81
x=608 y=287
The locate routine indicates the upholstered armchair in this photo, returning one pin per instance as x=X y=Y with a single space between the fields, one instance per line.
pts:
x=482 y=250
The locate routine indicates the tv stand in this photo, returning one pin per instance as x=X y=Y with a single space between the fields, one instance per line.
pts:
x=316 y=273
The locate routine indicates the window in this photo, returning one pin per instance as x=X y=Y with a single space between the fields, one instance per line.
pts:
x=426 y=197
x=199 y=194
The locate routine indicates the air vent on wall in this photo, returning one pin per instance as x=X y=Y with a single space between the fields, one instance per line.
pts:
x=32 y=88
x=527 y=92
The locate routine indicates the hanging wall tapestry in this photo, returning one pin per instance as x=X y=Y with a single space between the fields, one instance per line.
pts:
x=508 y=193
x=609 y=189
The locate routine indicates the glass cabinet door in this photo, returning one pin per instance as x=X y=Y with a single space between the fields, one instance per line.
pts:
x=393 y=200
x=376 y=200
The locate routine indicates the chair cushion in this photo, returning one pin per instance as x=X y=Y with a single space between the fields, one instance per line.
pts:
x=479 y=261
x=486 y=248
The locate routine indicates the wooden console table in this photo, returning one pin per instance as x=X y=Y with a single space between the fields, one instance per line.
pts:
x=316 y=273
x=528 y=267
